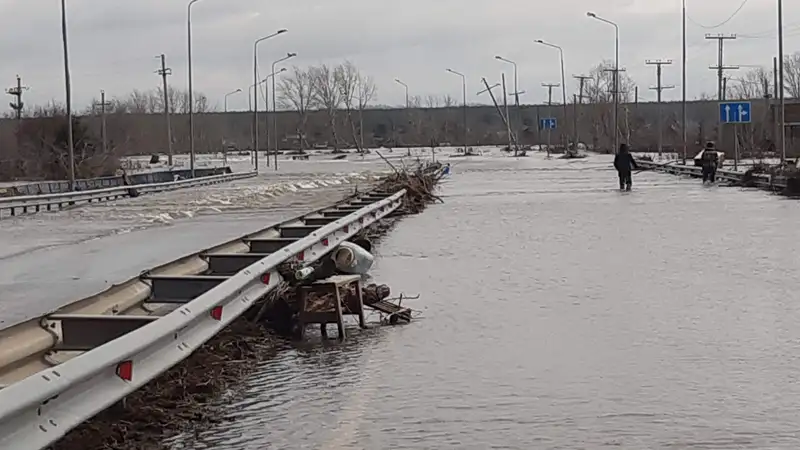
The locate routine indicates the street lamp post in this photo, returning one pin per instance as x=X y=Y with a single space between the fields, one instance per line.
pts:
x=563 y=85
x=250 y=89
x=191 y=93
x=782 y=112
x=464 y=93
x=255 y=94
x=516 y=95
x=516 y=87
x=227 y=121
x=228 y=95
x=406 y=87
x=683 y=85
x=68 y=92
x=616 y=75
x=274 y=109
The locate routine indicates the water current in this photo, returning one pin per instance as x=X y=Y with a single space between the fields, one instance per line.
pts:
x=557 y=313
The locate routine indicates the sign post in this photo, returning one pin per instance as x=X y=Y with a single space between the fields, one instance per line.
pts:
x=549 y=124
x=735 y=113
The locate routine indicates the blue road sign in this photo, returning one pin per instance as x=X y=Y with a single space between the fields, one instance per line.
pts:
x=548 y=123
x=734 y=112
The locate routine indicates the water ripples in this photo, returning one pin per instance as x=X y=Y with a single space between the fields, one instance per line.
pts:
x=584 y=318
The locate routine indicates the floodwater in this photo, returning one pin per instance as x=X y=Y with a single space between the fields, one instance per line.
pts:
x=558 y=313
x=50 y=259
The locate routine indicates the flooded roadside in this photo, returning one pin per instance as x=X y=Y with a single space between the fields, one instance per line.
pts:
x=558 y=313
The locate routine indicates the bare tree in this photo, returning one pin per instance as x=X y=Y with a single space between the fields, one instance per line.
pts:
x=755 y=83
x=138 y=101
x=791 y=75
x=598 y=90
x=296 y=92
x=327 y=95
x=414 y=129
x=348 y=81
x=448 y=101
x=367 y=91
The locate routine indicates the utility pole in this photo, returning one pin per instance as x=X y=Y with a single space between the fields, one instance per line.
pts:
x=550 y=92
x=575 y=120
x=68 y=97
x=164 y=71
x=497 y=107
x=508 y=118
x=775 y=113
x=659 y=88
x=579 y=105
x=721 y=68
x=549 y=87
x=615 y=86
x=103 y=136
x=17 y=92
x=582 y=80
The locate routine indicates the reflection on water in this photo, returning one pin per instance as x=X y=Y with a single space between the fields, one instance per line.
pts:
x=559 y=313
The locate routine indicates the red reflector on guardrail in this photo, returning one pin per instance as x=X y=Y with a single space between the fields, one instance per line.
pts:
x=216 y=313
x=125 y=370
x=265 y=278
x=325 y=242
x=345 y=229
x=301 y=256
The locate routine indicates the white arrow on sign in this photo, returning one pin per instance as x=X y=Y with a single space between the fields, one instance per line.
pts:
x=742 y=113
x=727 y=113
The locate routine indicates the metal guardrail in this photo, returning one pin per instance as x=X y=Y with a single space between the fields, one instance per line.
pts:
x=24 y=204
x=87 y=184
x=761 y=180
x=40 y=409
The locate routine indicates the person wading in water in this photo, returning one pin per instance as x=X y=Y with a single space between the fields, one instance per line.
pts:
x=624 y=163
x=710 y=162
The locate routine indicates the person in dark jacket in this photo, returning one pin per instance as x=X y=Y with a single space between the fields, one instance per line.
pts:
x=624 y=163
x=710 y=162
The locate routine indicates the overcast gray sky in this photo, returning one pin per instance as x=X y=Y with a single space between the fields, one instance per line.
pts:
x=113 y=43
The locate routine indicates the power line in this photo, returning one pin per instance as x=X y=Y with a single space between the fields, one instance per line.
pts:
x=793 y=30
x=735 y=13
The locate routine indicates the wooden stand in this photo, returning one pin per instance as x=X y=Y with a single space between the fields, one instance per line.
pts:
x=332 y=285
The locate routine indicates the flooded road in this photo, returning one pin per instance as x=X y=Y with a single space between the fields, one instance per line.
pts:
x=558 y=313
x=51 y=259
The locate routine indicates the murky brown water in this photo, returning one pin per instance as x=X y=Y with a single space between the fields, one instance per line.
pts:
x=558 y=314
